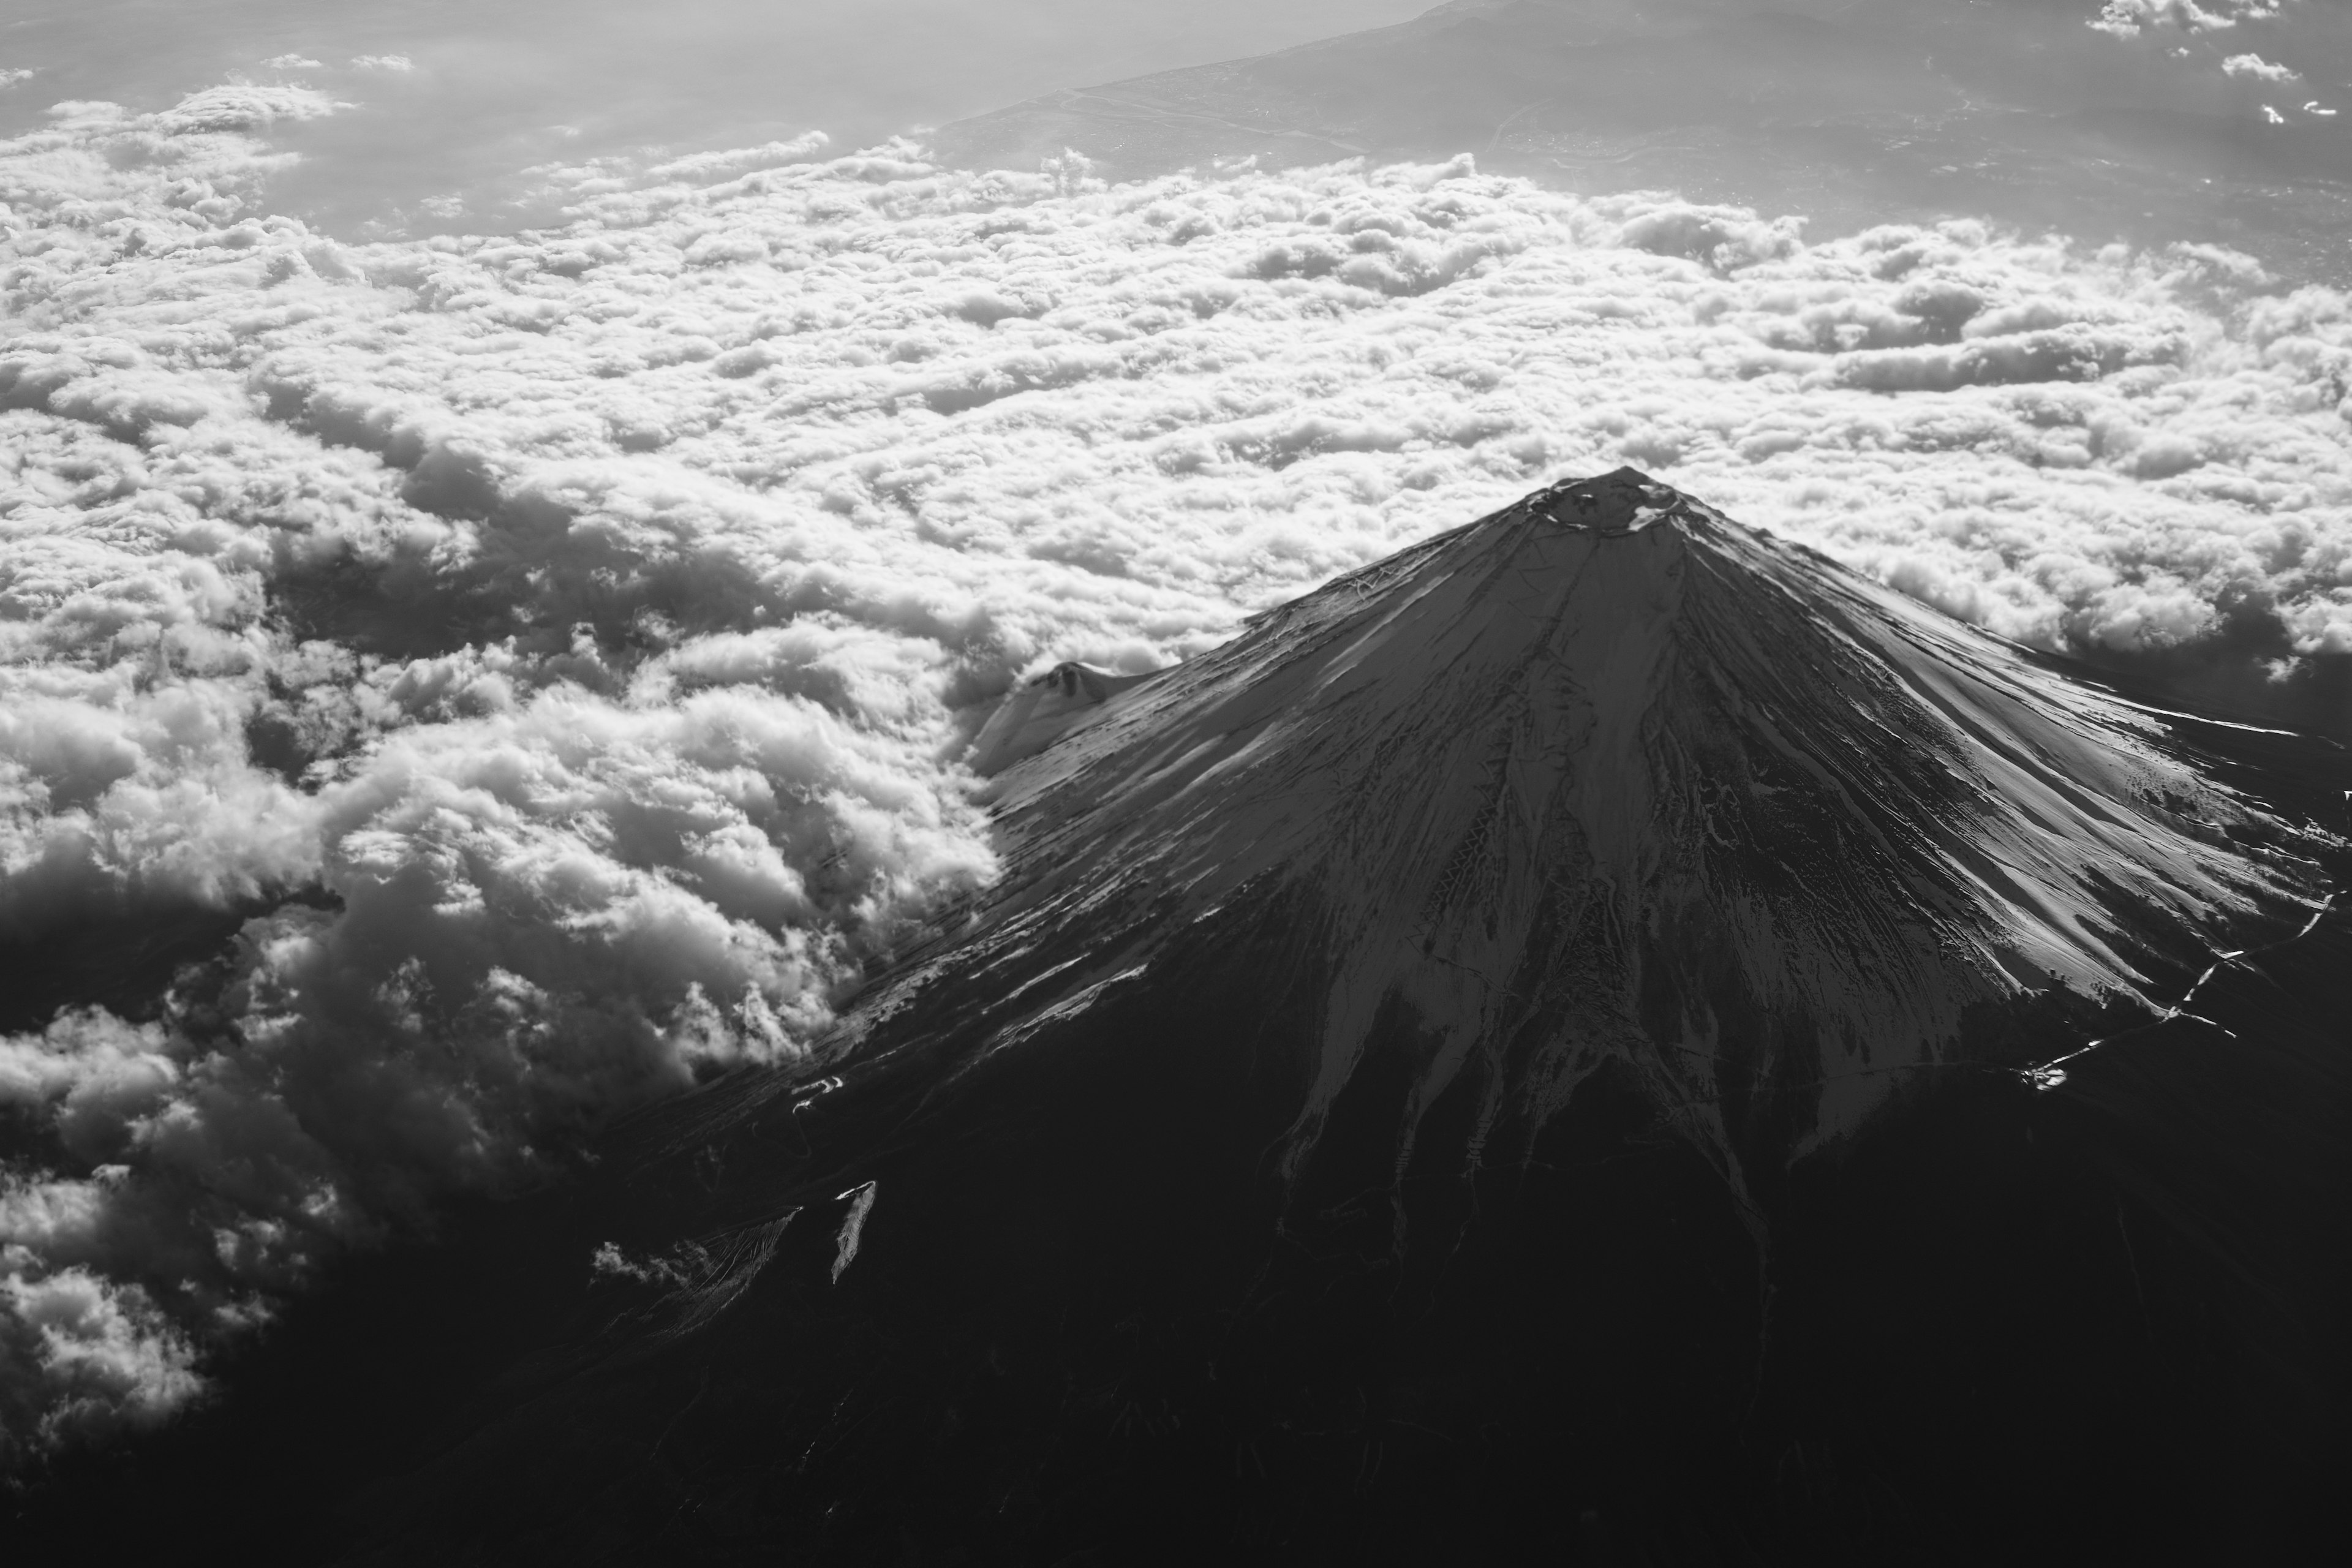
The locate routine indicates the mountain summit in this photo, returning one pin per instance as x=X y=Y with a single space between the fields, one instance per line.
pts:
x=1425 y=1089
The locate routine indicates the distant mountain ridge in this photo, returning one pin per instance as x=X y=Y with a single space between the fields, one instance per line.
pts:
x=1898 y=110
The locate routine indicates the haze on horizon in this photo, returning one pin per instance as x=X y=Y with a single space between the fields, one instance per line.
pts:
x=2139 y=121
x=453 y=99
x=2135 y=118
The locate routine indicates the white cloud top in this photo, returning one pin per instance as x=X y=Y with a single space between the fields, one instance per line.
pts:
x=584 y=625
x=2128 y=19
x=2260 y=69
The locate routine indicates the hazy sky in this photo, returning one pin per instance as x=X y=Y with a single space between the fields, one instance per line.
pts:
x=492 y=87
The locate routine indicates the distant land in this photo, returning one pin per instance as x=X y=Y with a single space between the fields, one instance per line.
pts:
x=1899 y=111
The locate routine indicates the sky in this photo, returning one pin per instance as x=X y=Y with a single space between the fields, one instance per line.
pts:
x=538 y=665
x=449 y=100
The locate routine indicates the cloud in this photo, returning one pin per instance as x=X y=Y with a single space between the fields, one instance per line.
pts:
x=396 y=65
x=2128 y=19
x=2260 y=69
x=292 y=63
x=11 y=77
x=85 y=1354
x=558 y=646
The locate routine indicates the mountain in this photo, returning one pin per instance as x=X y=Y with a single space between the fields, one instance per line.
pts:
x=1605 y=776
x=1604 y=1037
x=1899 y=111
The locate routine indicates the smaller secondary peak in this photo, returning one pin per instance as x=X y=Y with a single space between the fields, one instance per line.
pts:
x=1040 y=710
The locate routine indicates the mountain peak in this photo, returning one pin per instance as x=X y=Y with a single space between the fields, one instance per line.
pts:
x=1622 y=501
x=1606 y=775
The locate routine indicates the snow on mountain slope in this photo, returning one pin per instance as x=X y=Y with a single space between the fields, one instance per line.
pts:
x=1607 y=775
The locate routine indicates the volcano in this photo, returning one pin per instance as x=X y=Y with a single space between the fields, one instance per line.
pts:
x=1605 y=777
x=1604 y=1037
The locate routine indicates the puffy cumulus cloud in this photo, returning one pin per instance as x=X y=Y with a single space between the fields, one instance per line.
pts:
x=2254 y=66
x=10 y=76
x=562 y=643
x=81 y=1353
x=2129 y=19
x=542 y=871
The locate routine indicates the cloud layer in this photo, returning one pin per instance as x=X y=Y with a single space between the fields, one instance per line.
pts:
x=565 y=642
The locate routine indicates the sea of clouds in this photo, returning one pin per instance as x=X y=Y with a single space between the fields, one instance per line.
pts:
x=560 y=646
